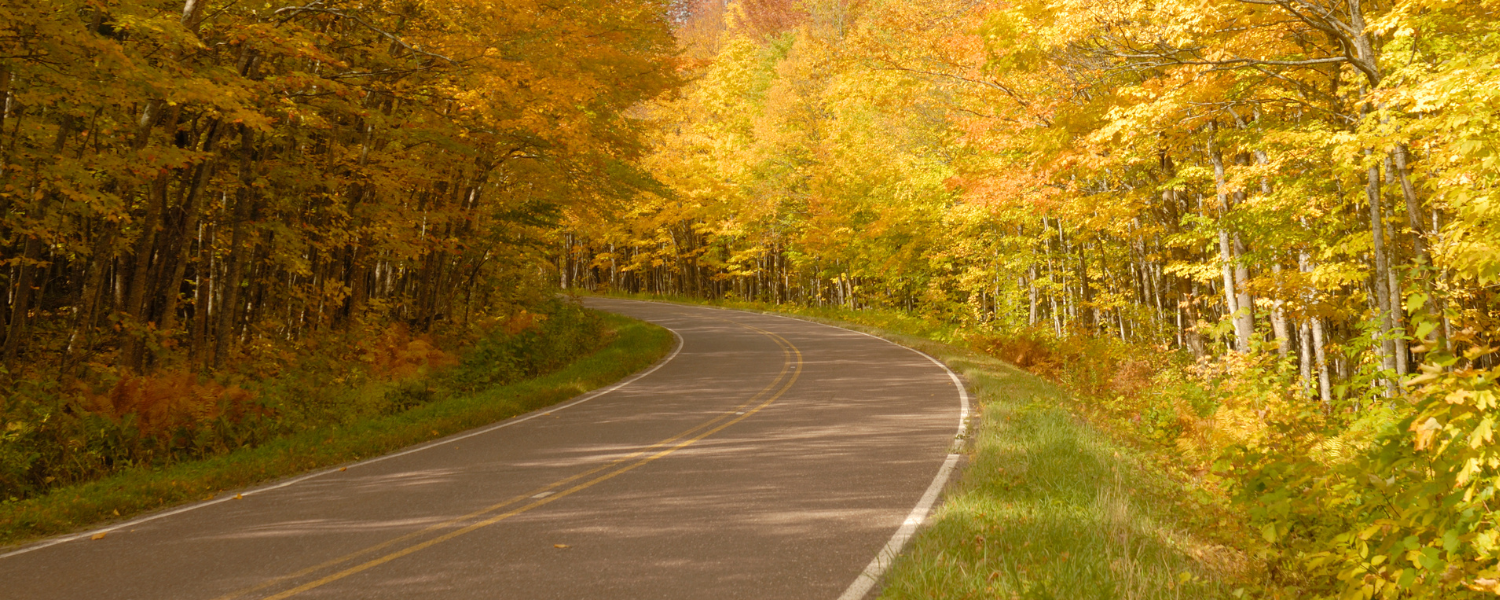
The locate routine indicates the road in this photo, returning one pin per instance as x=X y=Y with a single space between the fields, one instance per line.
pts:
x=766 y=458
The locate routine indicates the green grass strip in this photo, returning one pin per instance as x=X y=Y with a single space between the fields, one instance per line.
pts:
x=1047 y=507
x=636 y=346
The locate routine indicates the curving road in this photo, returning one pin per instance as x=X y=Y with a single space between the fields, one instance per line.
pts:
x=766 y=458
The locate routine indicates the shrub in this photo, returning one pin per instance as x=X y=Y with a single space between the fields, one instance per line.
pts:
x=529 y=344
x=162 y=405
x=52 y=434
x=396 y=354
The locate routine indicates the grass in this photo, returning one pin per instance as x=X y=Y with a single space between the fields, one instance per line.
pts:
x=635 y=346
x=1048 y=506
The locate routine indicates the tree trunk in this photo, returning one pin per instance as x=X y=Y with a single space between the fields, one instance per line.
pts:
x=1425 y=269
x=1244 y=318
x=4 y=98
x=20 y=307
x=1380 y=279
x=80 y=339
x=1031 y=295
x=184 y=245
x=1325 y=391
x=31 y=253
x=1304 y=356
x=1278 y=319
x=1304 y=264
x=239 y=221
x=1230 y=267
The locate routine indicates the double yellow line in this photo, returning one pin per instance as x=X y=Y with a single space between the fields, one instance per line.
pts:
x=791 y=368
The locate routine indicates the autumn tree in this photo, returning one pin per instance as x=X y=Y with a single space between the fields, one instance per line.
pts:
x=205 y=176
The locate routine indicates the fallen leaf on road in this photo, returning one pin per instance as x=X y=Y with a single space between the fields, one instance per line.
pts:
x=554 y=545
x=341 y=469
x=97 y=536
x=238 y=497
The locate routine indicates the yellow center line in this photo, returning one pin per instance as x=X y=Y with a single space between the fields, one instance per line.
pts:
x=788 y=352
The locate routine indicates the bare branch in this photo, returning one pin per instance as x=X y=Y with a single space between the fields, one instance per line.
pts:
x=990 y=84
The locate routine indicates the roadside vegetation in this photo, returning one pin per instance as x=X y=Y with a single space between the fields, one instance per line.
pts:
x=89 y=466
x=1049 y=506
x=1255 y=240
x=228 y=230
x=1058 y=499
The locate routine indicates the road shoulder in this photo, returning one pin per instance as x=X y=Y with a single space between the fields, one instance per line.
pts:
x=140 y=493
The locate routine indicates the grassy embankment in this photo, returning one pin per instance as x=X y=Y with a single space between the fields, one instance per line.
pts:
x=442 y=409
x=1050 y=505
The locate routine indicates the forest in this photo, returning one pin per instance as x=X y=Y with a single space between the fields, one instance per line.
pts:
x=224 y=221
x=181 y=174
x=1260 y=235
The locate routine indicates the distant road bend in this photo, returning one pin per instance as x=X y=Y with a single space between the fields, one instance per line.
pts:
x=767 y=458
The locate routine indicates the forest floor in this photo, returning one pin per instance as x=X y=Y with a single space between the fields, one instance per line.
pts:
x=133 y=492
x=1051 y=504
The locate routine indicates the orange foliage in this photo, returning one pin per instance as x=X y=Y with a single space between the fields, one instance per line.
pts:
x=1133 y=375
x=522 y=321
x=1032 y=354
x=166 y=402
x=1094 y=367
x=396 y=354
x=766 y=18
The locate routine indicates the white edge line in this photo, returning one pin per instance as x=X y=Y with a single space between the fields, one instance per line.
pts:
x=918 y=515
x=418 y=448
x=887 y=555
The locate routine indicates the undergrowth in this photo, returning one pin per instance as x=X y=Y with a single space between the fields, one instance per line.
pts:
x=1266 y=491
x=1050 y=507
x=1053 y=504
x=56 y=434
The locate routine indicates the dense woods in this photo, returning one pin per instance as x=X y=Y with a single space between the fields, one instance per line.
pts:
x=1265 y=230
x=1285 y=205
x=208 y=176
x=221 y=221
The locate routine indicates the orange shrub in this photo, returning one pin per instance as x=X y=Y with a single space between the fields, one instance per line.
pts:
x=1093 y=366
x=166 y=402
x=396 y=354
x=523 y=320
x=1032 y=353
x=1133 y=375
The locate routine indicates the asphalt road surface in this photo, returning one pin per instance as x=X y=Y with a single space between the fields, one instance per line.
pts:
x=766 y=458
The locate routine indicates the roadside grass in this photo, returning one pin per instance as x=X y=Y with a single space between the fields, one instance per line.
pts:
x=1048 y=506
x=635 y=345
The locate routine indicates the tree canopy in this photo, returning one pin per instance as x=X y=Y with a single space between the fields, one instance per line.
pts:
x=1303 y=188
x=207 y=175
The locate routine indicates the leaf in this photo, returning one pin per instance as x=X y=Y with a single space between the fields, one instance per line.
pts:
x=1425 y=432
x=1425 y=328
